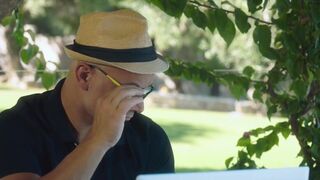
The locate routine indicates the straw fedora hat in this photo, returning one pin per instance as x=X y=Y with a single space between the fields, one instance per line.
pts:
x=118 y=38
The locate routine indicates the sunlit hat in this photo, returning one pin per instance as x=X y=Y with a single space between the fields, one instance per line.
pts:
x=119 y=38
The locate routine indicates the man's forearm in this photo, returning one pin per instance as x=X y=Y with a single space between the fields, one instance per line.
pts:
x=80 y=164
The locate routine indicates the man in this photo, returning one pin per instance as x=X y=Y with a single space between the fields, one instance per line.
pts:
x=89 y=126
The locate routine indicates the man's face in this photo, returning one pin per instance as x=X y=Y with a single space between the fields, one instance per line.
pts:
x=102 y=85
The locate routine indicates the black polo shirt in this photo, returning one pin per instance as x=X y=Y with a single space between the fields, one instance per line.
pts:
x=36 y=135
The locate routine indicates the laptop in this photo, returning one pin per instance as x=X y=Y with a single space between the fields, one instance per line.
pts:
x=296 y=173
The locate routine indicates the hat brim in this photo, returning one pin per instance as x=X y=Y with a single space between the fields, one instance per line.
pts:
x=151 y=67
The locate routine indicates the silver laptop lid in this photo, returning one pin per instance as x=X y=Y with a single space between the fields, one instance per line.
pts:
x=297 y=173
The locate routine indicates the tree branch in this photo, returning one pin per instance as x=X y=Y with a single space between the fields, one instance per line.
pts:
x=293 y=120
x=228 y=11
x=314 y=90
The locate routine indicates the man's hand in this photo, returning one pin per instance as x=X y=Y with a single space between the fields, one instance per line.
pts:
x=110 y=114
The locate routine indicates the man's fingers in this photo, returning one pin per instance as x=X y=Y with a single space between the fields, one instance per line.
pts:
x=118 y=90
x=125 y=93
x=127 y=103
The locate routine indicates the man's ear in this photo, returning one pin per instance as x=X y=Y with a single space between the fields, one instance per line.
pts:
x=83 y=74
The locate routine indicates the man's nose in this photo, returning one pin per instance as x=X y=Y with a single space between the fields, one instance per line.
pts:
x=138 y=107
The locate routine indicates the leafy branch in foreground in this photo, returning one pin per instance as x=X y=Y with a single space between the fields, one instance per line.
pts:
x=291 y=88
x=29 y=52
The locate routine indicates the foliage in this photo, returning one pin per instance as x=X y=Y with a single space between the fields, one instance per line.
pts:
x=49 y=20
x=183 y=41
x=179 y=38
x=47 y=16
x=29 y=51
x=291 y=87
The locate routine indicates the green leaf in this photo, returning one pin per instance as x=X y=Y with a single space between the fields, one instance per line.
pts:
x=40 y=65
x=27 y=54
x=281 y=23
x=257 y=132
x=292 y=63
x=274 y=139
x=32 y=34
x=257 y=95
x=237 y=91
x=248 y=71
x=228 y=161
x=225 y=26
x=211 y=20
x=19 y=37
x=300 y=88
x=268 y=52
x=24 y=54
x=283 y=128
x=293 y=106
x=315 y=150
x=254 y=5
x=262 y=35
x=290 y=42
x=189 y=10
x=266 y=143
x=283 y=6
x=7 y=20
x=251 y=150
x=48 y=79
x=187 y=74
x=269 y=128
x=171 y=7
x=244 y=141
x=241 y=20
x=271 y=110
x=242 y=155
x=315 y=12
x=198 y=17
x=211 y=2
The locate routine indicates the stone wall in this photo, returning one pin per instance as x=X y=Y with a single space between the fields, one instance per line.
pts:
x=183 y=101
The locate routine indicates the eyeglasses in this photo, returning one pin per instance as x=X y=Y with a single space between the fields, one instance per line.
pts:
x=146 y=91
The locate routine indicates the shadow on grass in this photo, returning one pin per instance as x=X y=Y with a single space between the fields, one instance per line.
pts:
x=179 y=170
x=185 y=133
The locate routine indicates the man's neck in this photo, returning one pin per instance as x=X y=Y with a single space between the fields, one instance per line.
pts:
x=76 y=114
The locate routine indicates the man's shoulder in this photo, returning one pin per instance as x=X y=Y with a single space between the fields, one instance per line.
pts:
x=25 y=108
x=142 y=121
x=146 y=127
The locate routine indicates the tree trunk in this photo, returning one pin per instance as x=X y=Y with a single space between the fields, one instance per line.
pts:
x=7 y=6
x=10 y=61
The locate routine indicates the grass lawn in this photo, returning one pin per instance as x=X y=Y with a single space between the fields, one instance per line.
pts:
x=201 y=140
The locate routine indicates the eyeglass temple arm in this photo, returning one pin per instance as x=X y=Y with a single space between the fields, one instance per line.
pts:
x=113 y=80
x=106 y=74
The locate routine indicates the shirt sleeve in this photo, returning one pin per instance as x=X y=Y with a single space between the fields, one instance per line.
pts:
x=16 y=154
x=161 y=159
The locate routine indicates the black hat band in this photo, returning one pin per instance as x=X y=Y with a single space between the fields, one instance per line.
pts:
x=116 y=55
